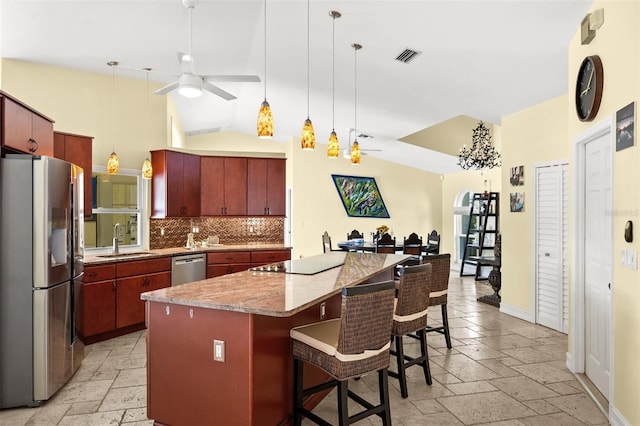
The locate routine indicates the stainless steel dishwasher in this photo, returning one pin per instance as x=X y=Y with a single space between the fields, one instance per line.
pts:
x=188 y=268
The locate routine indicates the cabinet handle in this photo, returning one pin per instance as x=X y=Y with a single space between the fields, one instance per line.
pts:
x=33 y=145
x=225 y=210
x=221 y=210
x=265 y=210
x=92 y=274
x=269 y=210
x=113 y=285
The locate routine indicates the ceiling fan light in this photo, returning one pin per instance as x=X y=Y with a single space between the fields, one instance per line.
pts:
x=333 y=148
x=190 y=86
x=190 y=91
x=308 y=141
x=355 y=153
x=265 y=121
x=113 y=164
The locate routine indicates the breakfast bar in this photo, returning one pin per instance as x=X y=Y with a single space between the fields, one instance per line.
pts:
x=218 y=350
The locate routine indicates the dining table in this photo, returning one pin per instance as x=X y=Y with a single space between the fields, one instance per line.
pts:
x=360 y=245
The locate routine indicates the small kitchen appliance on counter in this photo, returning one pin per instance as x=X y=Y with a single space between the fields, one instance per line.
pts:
x=41 y=228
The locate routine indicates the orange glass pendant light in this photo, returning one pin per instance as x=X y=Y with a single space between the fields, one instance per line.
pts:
x=333 y=148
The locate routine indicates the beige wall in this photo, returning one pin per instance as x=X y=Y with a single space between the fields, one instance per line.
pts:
x=618 y=44
x=535 y=135
x=81 y=103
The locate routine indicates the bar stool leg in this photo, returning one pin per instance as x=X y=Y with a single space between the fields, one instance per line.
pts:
x=383 y=386
x=343 y=403
x=445 y=323
x=297 y=391
x=402 y=375
x=422 y=334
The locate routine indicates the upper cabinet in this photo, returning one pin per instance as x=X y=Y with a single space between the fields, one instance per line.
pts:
x=176 y=184
x=77 y=149
x=266 y=187
x=223 y=186
x=24 y=129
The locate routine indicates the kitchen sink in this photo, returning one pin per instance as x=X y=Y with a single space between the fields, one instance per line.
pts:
x=126 y=254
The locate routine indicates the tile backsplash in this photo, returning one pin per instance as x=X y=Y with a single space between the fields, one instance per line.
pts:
x=167 y=233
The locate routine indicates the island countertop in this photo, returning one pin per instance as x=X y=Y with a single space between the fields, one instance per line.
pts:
x=278 y=294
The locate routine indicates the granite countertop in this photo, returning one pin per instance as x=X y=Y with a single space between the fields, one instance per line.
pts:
x=93 y=259
x=277 y=294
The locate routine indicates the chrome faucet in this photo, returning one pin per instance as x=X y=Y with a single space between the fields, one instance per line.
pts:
x=116 y=236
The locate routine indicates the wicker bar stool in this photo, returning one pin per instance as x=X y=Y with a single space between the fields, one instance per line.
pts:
x=410 y=317
x=347 y=347
x=440 y=268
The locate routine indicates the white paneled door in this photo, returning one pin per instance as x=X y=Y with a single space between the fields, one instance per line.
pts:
x=597 y=261
x=552 y=233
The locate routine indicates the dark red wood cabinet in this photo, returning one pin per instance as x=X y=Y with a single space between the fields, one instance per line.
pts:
x=223 y=186
x=175 y=184
x=24 y=129
x=266 y=187
x=77 y=149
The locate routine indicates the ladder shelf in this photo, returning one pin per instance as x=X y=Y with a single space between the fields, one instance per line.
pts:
x=481 y=235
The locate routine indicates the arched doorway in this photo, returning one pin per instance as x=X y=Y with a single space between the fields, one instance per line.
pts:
x=460 y=226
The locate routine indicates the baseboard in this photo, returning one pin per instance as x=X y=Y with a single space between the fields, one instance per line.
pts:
x=616 y=418
x=570 y=363
x=516 y=312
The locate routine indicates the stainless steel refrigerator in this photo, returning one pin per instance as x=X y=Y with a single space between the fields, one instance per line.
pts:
x=40 y=265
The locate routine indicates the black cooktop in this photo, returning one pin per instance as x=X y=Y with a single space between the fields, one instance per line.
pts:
x=307 y=265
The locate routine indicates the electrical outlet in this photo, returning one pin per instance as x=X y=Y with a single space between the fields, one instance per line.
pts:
x=162 y=232
x=218 y=350
x=323 y=307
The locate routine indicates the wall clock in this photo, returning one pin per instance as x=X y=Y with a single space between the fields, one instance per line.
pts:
x=589 y=88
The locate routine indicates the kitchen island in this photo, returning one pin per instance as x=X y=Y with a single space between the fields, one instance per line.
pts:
x=251 y=312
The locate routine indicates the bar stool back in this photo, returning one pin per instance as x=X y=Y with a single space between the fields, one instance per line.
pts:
x=410 y=317
x=441 y=266
x=347 y=347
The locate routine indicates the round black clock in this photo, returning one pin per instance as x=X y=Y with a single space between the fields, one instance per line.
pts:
x=589 y=88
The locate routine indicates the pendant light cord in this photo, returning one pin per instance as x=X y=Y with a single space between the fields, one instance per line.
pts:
x=355 y=92
x=308 y=55
x=333 y=75
x=265 y=50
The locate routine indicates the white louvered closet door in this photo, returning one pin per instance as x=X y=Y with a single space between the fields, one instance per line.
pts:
x=552 y=233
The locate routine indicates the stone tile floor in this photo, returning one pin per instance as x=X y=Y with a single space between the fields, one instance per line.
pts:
x=500 y=371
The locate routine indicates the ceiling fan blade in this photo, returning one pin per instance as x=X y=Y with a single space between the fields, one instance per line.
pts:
x=167 y=88
x=233 y=78
x=217 y=91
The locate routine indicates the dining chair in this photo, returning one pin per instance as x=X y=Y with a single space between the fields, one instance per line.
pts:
x=433 y=243
x=355 y=234
x=326 y=243
x=348 y=347
x=386 y=244
x=410 y=318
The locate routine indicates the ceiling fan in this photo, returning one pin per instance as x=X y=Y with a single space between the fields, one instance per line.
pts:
x=190 y=84
x=346 y=153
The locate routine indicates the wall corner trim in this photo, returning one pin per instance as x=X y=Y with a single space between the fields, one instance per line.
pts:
x=516 y=312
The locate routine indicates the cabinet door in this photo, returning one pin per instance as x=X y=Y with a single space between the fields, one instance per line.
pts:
x=16 y=126
x=212 y=186
x=42 y=133
x=235 y=186
x=276 y=187
x=99 y=305
x=191 y=185
x=256 y=186
x=175 y=183
x=130 y=308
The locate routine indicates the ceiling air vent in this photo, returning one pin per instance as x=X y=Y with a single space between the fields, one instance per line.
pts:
x=407 y=55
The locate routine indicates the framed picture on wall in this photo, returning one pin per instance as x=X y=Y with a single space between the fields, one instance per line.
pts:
x=516 y=201
x=625 y=123
x=517 y=176
x=360 y=196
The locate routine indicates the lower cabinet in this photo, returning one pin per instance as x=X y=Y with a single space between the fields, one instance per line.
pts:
x=109 y=304
x=259 y=258
x=227 y=263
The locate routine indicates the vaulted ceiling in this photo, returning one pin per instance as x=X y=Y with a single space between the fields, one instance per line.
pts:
x=481 y=59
